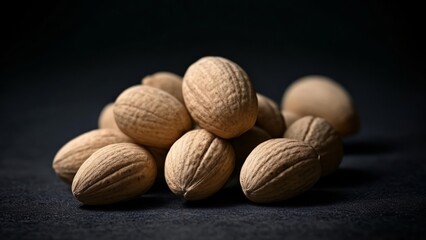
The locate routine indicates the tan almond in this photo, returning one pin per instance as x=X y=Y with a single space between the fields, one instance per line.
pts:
x=106 y=117
x=269 y=116
x=151 y=116
x=279 y=169
x=290 y=117
x=318 y=133
x=70 y=157
x=220 y=97
x=198 y=165
x=320 y=96
x=114 y=173
x=165 y=81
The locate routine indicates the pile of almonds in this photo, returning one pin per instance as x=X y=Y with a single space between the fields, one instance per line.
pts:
x=199 y=133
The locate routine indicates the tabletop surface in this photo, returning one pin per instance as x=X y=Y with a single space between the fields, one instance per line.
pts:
x=63 y=61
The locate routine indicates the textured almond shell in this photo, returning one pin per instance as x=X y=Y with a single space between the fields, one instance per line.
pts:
x=151 y=116
x=115 y=173
x=220 y=97
x=106 y=117
x=290 y=117
x=322 y=97
x=279 y=169
x=70 y=157
x=198 y=165
x=269 y=116
x=166 y=81
x=318 y=133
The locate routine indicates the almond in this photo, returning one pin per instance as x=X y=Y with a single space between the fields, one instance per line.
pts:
x=166 y=81
x=220 y=97
x=269 y=116
x=320 y=96
x=70 y=157
x=290 y=117
x=106 y=117
x=279 y=169
x=151 y=116
x=198 y=165
x=114 y=173
x=322 y=137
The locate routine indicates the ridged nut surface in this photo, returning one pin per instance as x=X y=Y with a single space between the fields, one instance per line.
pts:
x=279 y=169
x=70 y=157
x=151 y=116
x=320 y=96
x=318 y=133
x=220 y=97
x=114 y=173
x=269 y=116
x=166 y=81
x=198 y=165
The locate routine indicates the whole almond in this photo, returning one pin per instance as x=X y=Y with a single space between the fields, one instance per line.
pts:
x=279 y=169
x=151 y=116
x=290 y=117
x=220 y=97
x=322 y=97
x=106 y=117
x=70 y=157
x=165 y=81
x=114 y=173
x=269 y=116
x=198 y=165
x=318 y=133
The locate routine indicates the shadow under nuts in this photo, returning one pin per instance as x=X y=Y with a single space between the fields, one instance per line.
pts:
x=322 y=137
x=198 y=165
x=70 y=157
x=320 y=96
x=114 y=173
x=279 y=169
x=220 y=97
x=151 y=116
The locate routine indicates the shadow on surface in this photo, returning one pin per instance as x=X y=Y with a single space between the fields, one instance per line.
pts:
x=311 y=198
x=226 y=197
x=346 y=177
x=141 y=203
x=365 y=148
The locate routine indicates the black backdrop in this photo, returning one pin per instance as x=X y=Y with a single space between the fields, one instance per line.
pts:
x=62 y=61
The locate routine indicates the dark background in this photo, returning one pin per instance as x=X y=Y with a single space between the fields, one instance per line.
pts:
x=62 y=61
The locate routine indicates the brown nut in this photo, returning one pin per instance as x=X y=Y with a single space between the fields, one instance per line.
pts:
x=322 y=97
x=106 y=117
x=318 y=133
x=245 y=143
x=279 y=169
x=70 y=157
x=220 y=97
x=159 y=155
x=290 y=117
x=198 y=165
x=151 y=116
x=166 y=81
x=269 y=116
x=114 y=173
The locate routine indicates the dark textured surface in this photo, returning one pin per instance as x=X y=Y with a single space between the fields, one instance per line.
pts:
x=56 y=81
